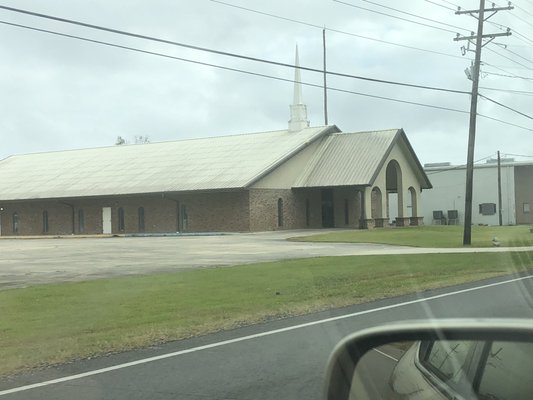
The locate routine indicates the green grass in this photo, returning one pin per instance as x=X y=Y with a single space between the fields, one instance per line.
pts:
x=55 y=323
x=430 y=236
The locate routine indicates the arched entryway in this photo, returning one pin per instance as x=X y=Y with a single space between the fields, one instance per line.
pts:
x=394 y=192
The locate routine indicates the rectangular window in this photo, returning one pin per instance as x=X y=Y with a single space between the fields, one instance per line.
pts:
x=45 y=221
x=81 y=221
x=346 y=212
x=307 y=213
x=526 y=208
x=487 y=208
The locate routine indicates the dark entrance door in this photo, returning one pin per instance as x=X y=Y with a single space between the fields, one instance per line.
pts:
x=328 y=219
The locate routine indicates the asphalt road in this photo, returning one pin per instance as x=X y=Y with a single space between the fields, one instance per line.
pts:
x=279 y=360
x=27 y=262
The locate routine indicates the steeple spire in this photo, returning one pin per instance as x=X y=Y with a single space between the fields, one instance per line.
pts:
x=298 y=119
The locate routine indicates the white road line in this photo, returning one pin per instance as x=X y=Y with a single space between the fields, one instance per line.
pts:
x=386 y=355
x=249 y=337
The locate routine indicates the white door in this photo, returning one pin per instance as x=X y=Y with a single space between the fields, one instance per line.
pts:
x=106 y=220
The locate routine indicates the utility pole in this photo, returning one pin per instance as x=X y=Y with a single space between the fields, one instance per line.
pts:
x=500 y=219
x=467 y=235
x=325 y=84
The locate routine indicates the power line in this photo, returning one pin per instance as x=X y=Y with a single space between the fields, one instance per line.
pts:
x=457 y=166
x=508 y=76
x=240 y=56
x=521 y=19
x=232 y=69
x=504 y=106
x=523 y=9
x=337 y=30
x=255 y=73
x=394 y=16
x=411 y=14
x=440 y=5
x=504 y=122
x=509 y=58
x=518 y=155
x=516 y=54
x=519 y=92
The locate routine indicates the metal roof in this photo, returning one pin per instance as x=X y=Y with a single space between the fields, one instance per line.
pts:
x=225 y=162
x=348 y=159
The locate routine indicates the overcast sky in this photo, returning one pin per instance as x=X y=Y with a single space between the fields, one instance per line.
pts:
x=59 y=93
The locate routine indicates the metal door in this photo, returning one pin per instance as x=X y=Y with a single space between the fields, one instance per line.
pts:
x=106 y=220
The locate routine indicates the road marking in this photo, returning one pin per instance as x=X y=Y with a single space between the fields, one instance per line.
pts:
x=386 y=355
x=249 y=337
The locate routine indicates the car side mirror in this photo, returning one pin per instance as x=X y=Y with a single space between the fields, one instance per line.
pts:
x=457 y=359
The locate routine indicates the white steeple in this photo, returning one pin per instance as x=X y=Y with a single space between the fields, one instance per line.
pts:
x=298 y=119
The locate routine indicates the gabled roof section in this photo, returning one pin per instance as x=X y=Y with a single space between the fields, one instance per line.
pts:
x=355 y=159
x=224 y=162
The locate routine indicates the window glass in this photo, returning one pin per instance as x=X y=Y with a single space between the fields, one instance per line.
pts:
x=81 y=221
x=45 y=221
x=15 y=223
x=507 y=374
x=346 y=212
x=448 y=359
x=526 y=207
x=121 y=219
x=280 y=212
x=140 y=213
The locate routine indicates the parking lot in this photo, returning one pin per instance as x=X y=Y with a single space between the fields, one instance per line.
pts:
x=25 y=262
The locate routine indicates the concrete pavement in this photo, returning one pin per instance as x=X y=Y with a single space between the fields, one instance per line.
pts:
x=26 y=262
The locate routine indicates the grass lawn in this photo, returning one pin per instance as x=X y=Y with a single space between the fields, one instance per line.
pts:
x=430 y=236
x=54 y=323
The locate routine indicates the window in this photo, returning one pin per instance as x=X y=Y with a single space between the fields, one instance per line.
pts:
x=140 y=214
x=487 y=208
x=526 y=208
x=346 y=212
x=507 y=372
x=280 y=212
x=121 y=219
x=81 y=221
x=307 y=212
x=15 y=223
x=45 y=221
x=447 y=359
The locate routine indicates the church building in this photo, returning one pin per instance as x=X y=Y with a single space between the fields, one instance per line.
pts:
x=295 y=178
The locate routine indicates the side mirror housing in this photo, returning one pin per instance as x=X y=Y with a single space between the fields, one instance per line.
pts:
x=456 y=357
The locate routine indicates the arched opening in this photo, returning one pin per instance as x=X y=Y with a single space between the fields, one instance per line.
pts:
x=376 y=203
x=413 y=203
x=280 y=213
x=394 y=190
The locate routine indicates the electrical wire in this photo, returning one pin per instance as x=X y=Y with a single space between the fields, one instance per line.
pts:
x=518 y=92
x=440 y=5
x=504 y=106
x=457 y=166
x=394 y=16
x=413 y=15
x=240 y=56
x=234 y=69
x=229 y=68
x=516 y=54
x=337 y=30
x=509 y=58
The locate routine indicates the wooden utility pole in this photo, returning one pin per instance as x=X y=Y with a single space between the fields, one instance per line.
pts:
x=325 y=83
x=467 y=235
x=500 y=218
